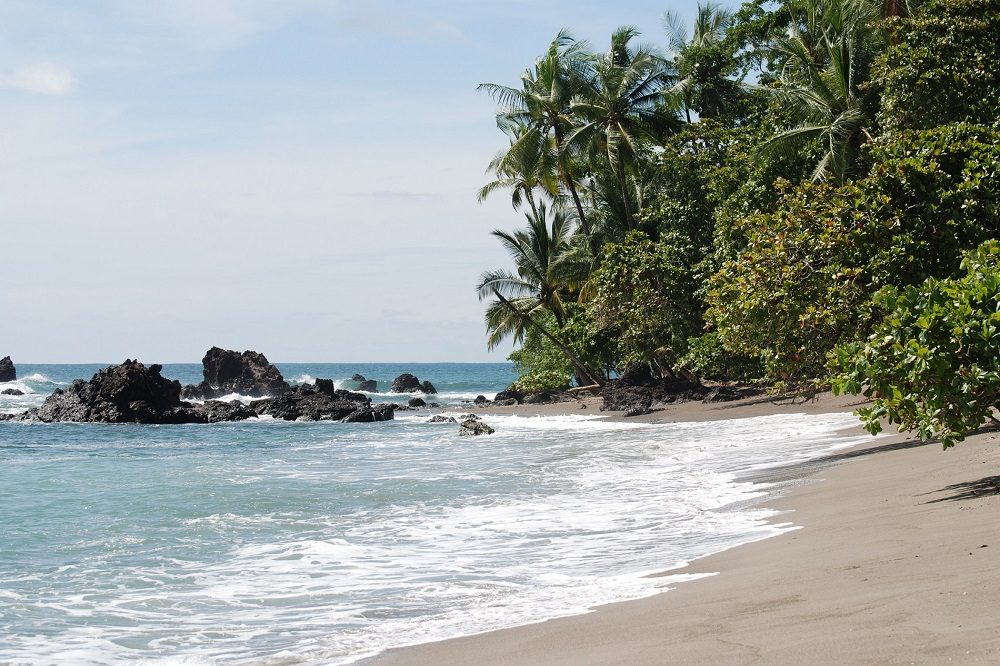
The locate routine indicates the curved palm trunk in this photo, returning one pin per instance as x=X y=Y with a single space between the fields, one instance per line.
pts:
x=580 y=367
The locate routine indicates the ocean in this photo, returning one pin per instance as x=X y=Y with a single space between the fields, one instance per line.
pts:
x=268 y=542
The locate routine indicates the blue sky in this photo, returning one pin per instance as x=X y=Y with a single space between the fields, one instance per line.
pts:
x=292 y=176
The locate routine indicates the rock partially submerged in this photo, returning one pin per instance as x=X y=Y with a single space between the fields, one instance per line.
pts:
x=322 y=401
x=226 y=371
x=8 y=372
x=11 y=391
x=365 y=384
x=126 y=393
x=472 y=427
x=133 y=393
x=407 y=383
x=441 y=418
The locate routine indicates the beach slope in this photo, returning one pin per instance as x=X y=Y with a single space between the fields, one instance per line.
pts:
x=897 y=562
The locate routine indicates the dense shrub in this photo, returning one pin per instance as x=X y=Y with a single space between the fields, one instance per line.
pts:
x=806 y=278
x=945 y=66
x=645 y=299
x=931 y=366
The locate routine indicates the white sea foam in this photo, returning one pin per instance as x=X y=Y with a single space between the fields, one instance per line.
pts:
x=355 y=540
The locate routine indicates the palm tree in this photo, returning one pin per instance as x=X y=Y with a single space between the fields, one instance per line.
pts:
x=826 y=60
x=619 y=106
x=523 y=168
x=694 y=83
x=535 y=286
x=541 y=107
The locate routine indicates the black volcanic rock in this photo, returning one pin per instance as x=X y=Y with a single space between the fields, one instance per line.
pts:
x=216 y=411
x=636 y=392
x=417 y=402
x=226 y=371
x=370 y=414
x=369 y=385
x=11 y=392
x=512 y=392
x=322 y=402
x=126 y=393
x=472 y=427
x=406 y=383
x=8 y=372
x=358 y=378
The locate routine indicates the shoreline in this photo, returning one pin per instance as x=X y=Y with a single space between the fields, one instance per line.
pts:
x=889 y=562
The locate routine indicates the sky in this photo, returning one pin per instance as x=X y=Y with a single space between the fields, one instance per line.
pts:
x=296 y=177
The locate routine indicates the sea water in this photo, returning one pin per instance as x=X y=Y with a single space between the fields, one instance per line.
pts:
x=269 y=542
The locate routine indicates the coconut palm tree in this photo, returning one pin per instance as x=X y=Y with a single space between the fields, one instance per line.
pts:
x=619 y=106
x=700 y=86
x=535 y=286
x=826 y=60
x=524 y=168
x=541 y=106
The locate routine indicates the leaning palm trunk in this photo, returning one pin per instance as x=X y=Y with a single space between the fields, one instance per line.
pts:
x=581 y=368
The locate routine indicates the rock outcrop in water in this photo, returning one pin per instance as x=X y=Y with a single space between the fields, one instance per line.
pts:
x=322 y=401
x=407 y=383
x=133 y=393
x=126 y=393
x=365 y=384
x=8 y=372
x=226 y=371
x=472 y=427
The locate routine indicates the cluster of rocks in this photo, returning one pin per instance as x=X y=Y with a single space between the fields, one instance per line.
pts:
x=513 y=395
x=8 y=372
x=637 y=392
x=126 y=393
x=134 y=393
x=470 y=424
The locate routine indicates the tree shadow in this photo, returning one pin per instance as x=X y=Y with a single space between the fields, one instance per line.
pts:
x=967 y=490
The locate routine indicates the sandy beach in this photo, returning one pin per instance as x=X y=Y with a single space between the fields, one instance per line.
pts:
x=895 y=562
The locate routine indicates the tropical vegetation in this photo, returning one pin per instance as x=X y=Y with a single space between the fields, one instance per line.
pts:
x=767 y=195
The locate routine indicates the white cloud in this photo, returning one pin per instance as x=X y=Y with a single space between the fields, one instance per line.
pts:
x=45 y=78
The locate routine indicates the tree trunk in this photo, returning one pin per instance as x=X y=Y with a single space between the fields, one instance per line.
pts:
x=623 y=184
x=570 y=185
x=579 y=365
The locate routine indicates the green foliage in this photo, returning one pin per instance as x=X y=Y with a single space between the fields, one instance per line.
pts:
x=932 y=365
x=540 y=365
x=805 y=280
x=543 y=366
x=646 y=299
x=707 y=357
x=945 y=66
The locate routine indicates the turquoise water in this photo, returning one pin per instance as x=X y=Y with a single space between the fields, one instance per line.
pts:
x=284 y=543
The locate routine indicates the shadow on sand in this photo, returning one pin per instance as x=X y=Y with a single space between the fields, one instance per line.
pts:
x=967 y=490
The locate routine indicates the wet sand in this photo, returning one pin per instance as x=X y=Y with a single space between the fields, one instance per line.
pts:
x=897 y=562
